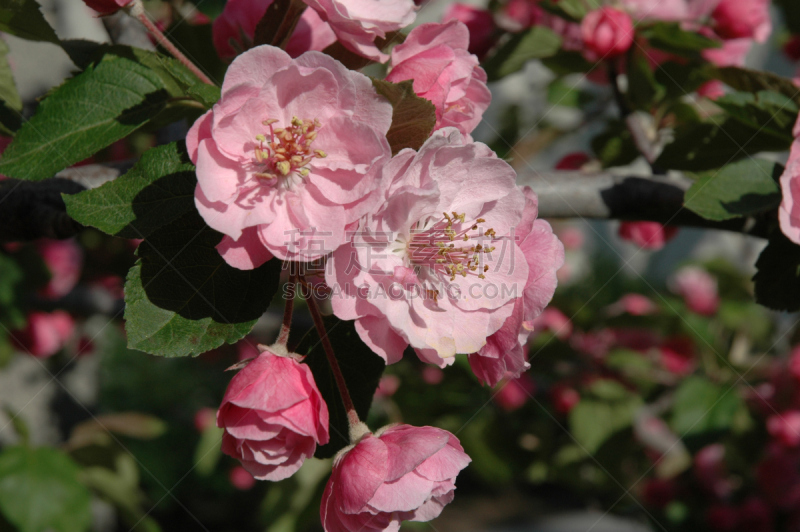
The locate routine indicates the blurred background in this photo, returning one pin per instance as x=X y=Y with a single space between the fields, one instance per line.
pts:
x=661 y=397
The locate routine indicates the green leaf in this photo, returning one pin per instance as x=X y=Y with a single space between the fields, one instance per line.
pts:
x=573 y=10
x=739 y=189
x=769 y=113
x=40 y=491
x=670 y=37
x=182 y=298
x=566 y=62
x=10 y=102
x=752 y=81
x=644 y=90
x=708 y=145
x=681 y=79
x=204 y=93
x=157 y=190
x=703 y=408
x=362 y=371
x=24 y=19
x=413 y=117
x=208 y=451
x=592 y=422
x=536 y=43
x=777 y=281
x=615 y=146
x=103 y=104
x=559 y=92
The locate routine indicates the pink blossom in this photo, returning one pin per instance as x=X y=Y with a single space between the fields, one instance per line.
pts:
x=46 y=333
x=233 y=30
x=794 y=363
x=712 y=89
x=658 y=492
x=666 y=10
x=570 y=32
x=402 y=473
x=432 y=375
x=564 y=398
x=743 y=19
x=517 y=15
x=792 y=48
x=425 y=269
x=789 y=211
x=241 y=479
x=555 y=321
x=64 y=259
x=107 y=7
x=711 y=471
x=697 y=288
x=785 y=427
x=647 y=235
x=634 y=304
x=514 y=392
x=731 y=53
x=677 y=356
x=358 y=23
x=505 y=350
x=572 y=238
x=289 y=156
x=273 y=415
x=387 y=386
x=203 y=419
x=435 y=56
x=479 y=22
x=607 y=33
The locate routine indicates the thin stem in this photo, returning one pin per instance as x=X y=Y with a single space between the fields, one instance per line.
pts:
x=352 y=415
x=136 y=10
x=283 y=336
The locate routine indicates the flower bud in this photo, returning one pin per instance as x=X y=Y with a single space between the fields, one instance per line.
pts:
x=607 y=33
x=107 y=7
x=273 y=415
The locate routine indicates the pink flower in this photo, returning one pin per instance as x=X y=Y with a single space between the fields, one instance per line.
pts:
x=564 y=398
x=647 y=235
x=479 y=22
x=357 y=23
x=794 y=363
x=555 y=321
x=731 y=53
x=64 y=259
x=46 y=333
x=273 y=416
x=241 y=479
x=387 y=386
x=517 y=15
x=505 y=350
x=666 y=10
x=570 y=32
x=402 y=473
x=738 y=19
x=633 y=304
x=514 y=392
x=789 y=211
x=426 y=269
x=711 y=471
x=289 y=156
x=792 y=48
x=677 y=356
x=107 y=7
x=607 y=33
x=435 y=56
x=697 y=288
x=711 y=89
x=233 y=31
x=432 y=375
x=203 y=419
x=785 y=427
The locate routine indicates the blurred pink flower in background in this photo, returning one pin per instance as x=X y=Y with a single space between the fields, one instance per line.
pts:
x=479 y=22
x=564 y=398
x=273 y=416
x=64 y=259
x=677 y=356
x=633 y=304
x=697 y=288
x=514 y=392
x=785 y=427
x=435 y=56
x=107 y=7
x=711 y=471
x=387 y=386
x=555 y=321
x=241 y=479
x=647 y=235
x=46 y=333
x=432 y=375
x=607 y=33
x=743 y=19
x=789 y=211
x=573 y=161
x=402 y=473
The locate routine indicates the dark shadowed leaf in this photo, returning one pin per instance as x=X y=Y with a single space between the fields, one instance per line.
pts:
x=536 y=43
x=24 y=19
x=703 y=409
x=777 y=281
x=413 y=117
x=362 y=371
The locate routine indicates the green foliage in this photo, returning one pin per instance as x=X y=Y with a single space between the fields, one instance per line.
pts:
x=40 y=491
x=157 y=190
x=573 y=10
x=10 y=102
x=103 y=104
x=609 y=409
x=413 y=118
x=204 y=93
x=24 y=19
x=740 y=189
x=754 y=81
x=777 y=281
x=615 y=146
x=362 y=371
x=767 y=112
x=703 y=409
x=643 y=86
x=537 y=43
x=671 y=37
